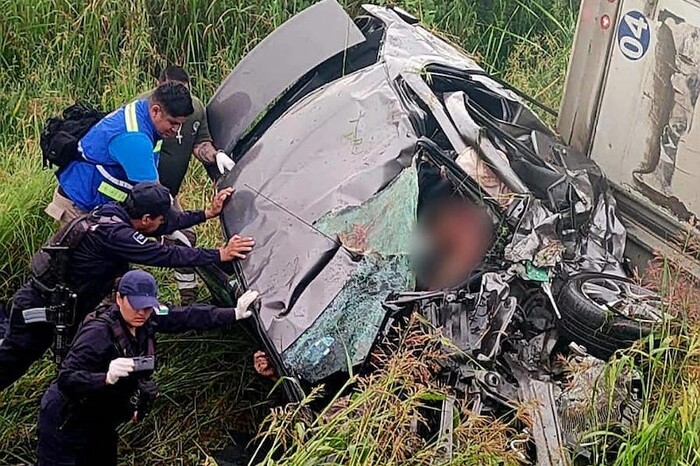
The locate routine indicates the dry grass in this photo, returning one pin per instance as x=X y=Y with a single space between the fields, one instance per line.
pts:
x=107 y=51
x=374 y=418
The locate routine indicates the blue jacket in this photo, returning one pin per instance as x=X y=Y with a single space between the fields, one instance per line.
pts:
x=118 y=152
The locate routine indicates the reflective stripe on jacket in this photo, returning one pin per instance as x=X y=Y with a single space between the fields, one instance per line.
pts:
x=99 y=177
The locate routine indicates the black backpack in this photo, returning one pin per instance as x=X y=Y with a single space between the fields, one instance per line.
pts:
x=60 y=136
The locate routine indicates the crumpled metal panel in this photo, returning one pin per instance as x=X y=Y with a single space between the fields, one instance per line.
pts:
x=277 y=62
x=407 y=48
x=475 y=136
x=415 y=81
x=335 y=149
x=380 y=230
x=601 y=249
x=333 y=160
x=604 y=246
x=495 y=282
x=410 y=47
x=536 y=229
x=425 y=93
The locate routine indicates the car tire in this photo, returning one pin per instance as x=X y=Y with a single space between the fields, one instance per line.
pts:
x=584 y=320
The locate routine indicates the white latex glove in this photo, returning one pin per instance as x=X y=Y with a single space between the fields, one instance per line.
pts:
x=224 y=162
x=118 y=368
x=244 y=302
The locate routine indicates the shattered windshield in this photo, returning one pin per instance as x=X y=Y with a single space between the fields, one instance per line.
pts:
x=379 y=232
x=327 y=201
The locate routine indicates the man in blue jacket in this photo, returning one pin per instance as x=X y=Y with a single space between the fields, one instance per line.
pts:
x=176 y=152
x=100 y=385
x=120 y=151
x=117 y=237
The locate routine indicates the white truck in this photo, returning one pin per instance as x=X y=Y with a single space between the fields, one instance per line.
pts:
x=630 y=104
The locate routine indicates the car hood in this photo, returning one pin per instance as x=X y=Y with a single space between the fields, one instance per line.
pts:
x=329 y=195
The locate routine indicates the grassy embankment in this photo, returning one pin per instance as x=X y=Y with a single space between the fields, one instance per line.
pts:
x=106 y=51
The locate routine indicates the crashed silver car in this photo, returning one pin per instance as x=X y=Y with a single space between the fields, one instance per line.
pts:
x=382 y=172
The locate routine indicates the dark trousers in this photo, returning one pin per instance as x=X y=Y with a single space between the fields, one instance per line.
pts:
x=24 y=343
x=66 y=442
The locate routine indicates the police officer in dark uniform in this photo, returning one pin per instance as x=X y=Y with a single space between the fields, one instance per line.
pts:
x=115 y=236
x=100 y=385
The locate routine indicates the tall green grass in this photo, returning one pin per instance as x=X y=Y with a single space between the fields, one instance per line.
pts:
x=372 y=419
x=668 y=430
x=53 y=52
x=375 y=418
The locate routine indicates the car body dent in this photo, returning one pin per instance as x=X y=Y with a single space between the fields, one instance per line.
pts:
x=409 y=47
x=303 y=42
x=335 y=149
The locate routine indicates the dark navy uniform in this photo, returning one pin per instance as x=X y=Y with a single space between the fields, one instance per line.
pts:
x=103 y=255
x=80 y=411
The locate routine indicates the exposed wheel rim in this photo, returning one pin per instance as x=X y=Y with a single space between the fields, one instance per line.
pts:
x=624 y=298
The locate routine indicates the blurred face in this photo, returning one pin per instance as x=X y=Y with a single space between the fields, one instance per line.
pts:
x=461 y=235
x=134 y=318
x=148 y=224
x=166 y=124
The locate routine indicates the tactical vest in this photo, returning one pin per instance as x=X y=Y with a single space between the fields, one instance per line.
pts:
x=50 y=265
x=120 y=339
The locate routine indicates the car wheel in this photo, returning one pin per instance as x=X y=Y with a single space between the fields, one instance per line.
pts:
x=605 y=313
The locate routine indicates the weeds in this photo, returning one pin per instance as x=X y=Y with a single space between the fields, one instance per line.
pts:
x=53 y=52
x=374 y=419
x=667 y=432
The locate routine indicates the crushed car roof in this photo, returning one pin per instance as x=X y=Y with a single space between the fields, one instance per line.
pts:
x=343 y=147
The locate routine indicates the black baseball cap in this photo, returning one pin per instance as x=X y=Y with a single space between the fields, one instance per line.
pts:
x=140 y=288
x=151 y=198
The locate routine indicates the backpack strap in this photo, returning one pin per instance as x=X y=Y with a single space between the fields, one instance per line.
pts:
x=118 y=334
x=47 y=263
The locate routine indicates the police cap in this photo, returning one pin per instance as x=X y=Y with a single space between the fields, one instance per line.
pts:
x=150 y=198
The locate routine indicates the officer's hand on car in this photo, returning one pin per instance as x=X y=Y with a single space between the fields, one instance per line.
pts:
x=118 y=368
x=236 y=248
x=244 y=302
x=217 y=204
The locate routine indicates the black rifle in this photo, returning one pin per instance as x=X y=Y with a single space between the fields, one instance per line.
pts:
x=62 y=301
x=142 y=399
